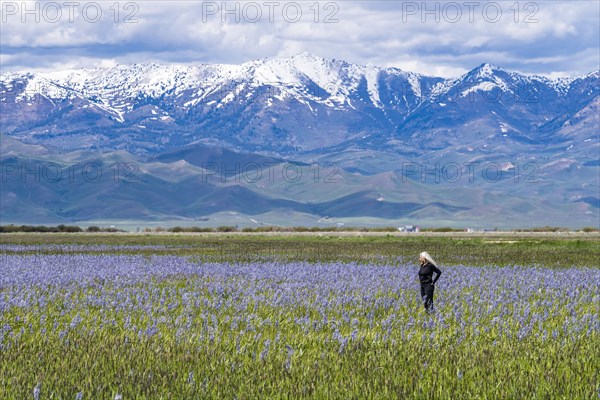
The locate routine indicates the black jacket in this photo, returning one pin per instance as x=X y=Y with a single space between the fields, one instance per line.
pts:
x=426 y=273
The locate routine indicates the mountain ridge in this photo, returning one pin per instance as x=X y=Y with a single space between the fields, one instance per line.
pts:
x=381 y=130
x=253 y=96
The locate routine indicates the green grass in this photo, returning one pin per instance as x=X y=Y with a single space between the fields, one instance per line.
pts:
x=474 y=352
x=543 y=250
x=102 y=359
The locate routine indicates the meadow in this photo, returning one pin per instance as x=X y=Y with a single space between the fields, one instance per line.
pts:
x=117 y=316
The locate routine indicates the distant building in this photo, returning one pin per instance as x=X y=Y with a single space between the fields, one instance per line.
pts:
x=409 y=228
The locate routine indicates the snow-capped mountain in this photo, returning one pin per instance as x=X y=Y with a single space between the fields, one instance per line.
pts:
x=122 y=85
x=366 y=120
x=280 y=105
x=490 y=107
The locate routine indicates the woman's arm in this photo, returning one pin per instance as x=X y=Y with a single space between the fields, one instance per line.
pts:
x=437 y=271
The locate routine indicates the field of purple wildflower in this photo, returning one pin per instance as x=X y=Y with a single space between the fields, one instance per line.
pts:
x=116 y=322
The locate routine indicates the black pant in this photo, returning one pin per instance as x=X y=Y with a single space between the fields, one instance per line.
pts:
x=427 y=296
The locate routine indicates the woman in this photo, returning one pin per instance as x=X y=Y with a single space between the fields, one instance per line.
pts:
x=428 y=267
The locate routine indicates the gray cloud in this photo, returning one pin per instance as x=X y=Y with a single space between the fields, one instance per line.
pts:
x=443 y=38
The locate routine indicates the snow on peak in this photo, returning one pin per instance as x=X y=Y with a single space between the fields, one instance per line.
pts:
x=121 y=85
x=307 y=55
x=289 y=74
x=487 y=70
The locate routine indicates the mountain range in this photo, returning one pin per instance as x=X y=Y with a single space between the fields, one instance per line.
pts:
x=299 y=140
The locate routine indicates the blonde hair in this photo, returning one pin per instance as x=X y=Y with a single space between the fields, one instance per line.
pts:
x=426 y=256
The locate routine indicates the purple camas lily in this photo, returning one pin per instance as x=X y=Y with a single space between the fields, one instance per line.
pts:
x=344 y=300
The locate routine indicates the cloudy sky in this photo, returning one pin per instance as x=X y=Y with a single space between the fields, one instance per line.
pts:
x=442 y=38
